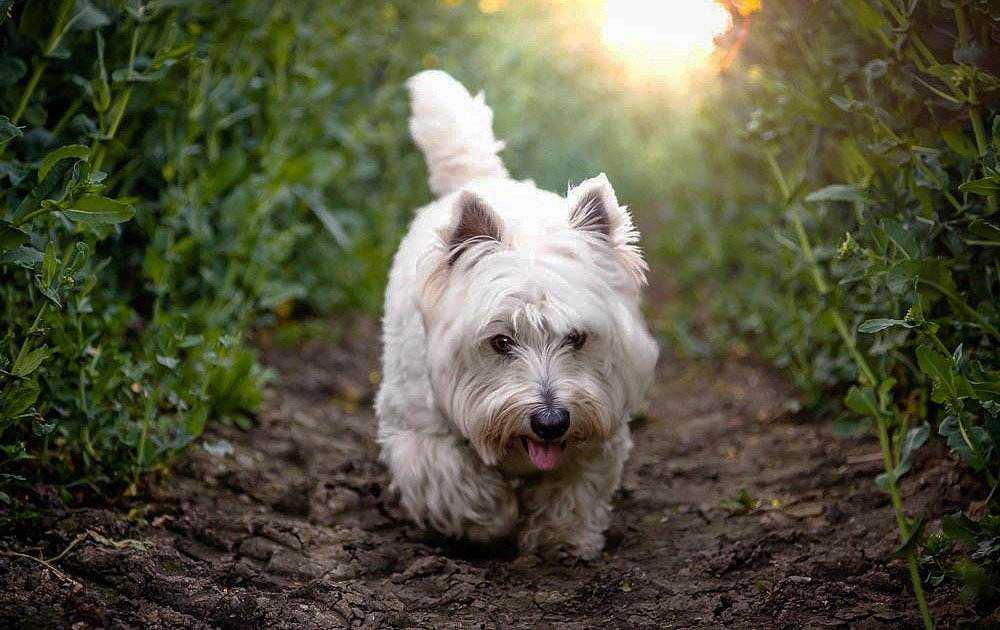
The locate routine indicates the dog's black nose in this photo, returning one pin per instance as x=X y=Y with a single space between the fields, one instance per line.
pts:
x=550 y=422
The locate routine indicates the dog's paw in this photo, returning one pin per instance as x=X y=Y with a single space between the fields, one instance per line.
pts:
x=582 y=548
x=588 y=547
x=500 y=522
x=568 y=555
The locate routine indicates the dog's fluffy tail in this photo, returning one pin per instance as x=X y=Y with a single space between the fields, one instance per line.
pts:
x=454 y=131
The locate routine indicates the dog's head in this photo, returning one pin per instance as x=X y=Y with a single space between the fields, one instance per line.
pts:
x=534 y=336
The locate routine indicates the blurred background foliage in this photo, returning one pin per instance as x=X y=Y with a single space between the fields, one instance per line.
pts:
x=175 y=175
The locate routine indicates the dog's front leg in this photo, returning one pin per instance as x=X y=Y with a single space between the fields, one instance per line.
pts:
x=569 y=511
x=443 y=483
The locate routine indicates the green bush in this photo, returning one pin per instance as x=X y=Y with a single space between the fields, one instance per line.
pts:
x=851 y=170
x=174 y=173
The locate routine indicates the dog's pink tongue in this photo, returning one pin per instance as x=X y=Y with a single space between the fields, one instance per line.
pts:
x=544 y=455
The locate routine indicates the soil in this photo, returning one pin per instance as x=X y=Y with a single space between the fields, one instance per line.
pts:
x=288 y=525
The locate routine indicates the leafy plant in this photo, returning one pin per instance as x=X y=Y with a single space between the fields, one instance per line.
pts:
x=857 y=237
x=172 y=174
x=741 y=503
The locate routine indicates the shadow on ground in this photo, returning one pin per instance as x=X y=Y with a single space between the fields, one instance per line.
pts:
x=287 y=525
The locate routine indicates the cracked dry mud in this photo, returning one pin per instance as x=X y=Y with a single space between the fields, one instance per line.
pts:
x=293 y=529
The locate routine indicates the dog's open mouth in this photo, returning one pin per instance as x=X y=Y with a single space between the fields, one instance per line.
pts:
x=544 y=455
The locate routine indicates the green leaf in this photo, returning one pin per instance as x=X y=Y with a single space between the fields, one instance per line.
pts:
x=167 y=362
x=8 y=130
x=838 y=192
x=100 y=210
x=11 y=237
x=843 y=102
x=861 y=400
x=959 y=527
x=956 y=139
x=978 y=583
x=934 y=364
x=877 y=325
x=53 y=273
x=902 y=236
x=971 y=443
x=941 y=369
x=902 y=277
x=742 y=503
x=868 y=17
x=915 y=438
x=11 y=70
x=848 y=426
x=76 y=258
x=28 y=361
x=14 y=171
x=17 y=398
x=150 y=76
x=50 y=265
x=883 y=480
x=99 y=89
x=984 y=231
x=24 y=256
x=984 y=187
x=42 y=428
x=87 y=17
x=195 y=420
x=77 y=151
x=985 y=391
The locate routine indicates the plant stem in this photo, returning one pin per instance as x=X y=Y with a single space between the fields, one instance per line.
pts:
x=897 y=500
x=772 y=162
x=132 y=51
x=817 y=272
x=29 y=89
x=31 y=215
x=848 y=338
x=904 y=525
x=800 y=231
x=100 y=150
x=981 y=145
x=918 y=591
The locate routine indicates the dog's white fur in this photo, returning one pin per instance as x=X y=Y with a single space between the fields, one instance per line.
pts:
x=494 y=256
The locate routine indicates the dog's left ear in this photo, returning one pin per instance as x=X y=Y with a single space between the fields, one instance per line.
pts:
x=475 y=223
x=475 y=231
x=594 y=209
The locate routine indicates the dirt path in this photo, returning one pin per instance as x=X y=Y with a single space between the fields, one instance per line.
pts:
x=291 y=529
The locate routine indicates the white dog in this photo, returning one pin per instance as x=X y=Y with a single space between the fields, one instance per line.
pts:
x=514 y=346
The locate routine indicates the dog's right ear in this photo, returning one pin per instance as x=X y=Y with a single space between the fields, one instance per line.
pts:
x=475 y=231
x=475 y=223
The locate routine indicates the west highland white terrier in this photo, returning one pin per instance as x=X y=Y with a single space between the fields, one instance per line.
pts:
x=515 y=350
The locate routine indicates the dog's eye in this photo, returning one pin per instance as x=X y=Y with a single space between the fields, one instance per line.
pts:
x=502 y=344
x=576 y=339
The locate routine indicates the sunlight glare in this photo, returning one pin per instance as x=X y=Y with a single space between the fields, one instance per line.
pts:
x=664 y=38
